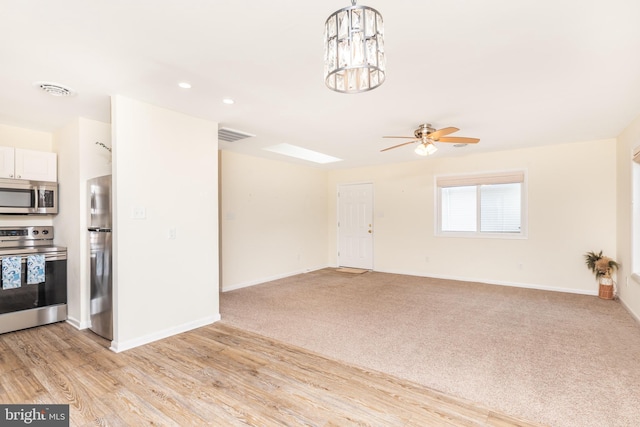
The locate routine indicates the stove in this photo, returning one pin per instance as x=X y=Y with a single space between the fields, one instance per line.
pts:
x=33 y=289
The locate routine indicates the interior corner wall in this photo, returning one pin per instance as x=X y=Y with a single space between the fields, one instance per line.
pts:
x=66 y=222
x=165 y=168
x=78 y=159
x=273 y=219
x=628 y=287
x=571 y=210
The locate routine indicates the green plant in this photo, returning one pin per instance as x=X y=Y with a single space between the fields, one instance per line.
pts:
x=600 y=265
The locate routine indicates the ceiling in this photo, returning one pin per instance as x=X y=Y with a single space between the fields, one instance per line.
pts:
x=514 y=74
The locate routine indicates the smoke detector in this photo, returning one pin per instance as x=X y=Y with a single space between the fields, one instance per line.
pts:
x=54 y=89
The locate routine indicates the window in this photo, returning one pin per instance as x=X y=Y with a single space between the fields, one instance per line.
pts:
x=488 y=205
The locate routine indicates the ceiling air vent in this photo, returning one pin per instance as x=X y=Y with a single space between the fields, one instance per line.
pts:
x=54 y=89
x=232 y=135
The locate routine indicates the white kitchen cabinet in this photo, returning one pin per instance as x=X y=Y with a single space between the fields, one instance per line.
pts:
x=18 y=163
x=7 y=162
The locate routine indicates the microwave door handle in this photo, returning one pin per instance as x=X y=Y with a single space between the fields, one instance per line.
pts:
x=35 y=196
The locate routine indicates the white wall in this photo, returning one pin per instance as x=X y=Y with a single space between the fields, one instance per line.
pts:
x=273 y=219
x=25 y=138
x=79 y=158
x=166 y=163
x=571 y=210
x=628 y=287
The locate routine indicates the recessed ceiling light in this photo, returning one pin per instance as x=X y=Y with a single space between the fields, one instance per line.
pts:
x=228 y=101
x=54 y=89
x=184 y=85
x=302 y=153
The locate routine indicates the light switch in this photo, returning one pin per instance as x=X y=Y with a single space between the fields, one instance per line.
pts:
x=172 y=233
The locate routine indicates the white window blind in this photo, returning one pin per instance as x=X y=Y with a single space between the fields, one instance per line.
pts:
x=487 y=204
x=459 y=208
x=500 y=208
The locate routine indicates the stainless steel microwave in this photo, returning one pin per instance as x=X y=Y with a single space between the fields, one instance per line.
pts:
x=24 y=197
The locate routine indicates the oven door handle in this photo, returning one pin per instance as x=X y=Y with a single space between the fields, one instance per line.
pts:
x=49 y=256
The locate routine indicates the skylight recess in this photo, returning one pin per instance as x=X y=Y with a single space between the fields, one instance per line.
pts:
x=302 y=153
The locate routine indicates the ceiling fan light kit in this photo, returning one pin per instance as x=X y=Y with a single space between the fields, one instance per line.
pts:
x=426 y=148
x=354 y=58
x=427 y=136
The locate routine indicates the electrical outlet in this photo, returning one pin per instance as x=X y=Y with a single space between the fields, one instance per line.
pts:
x=172 y=233
x=138 y=212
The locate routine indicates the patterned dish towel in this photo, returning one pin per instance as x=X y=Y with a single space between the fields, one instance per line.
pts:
x=35 y=269
x=11 y=272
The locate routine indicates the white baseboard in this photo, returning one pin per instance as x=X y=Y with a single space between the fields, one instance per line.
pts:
x=78 y=324
x=118 y=347
x=435 y=276
x=269 y=279
x=497 y=282
x=629 y=310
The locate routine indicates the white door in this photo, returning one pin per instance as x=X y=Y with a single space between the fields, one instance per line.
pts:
x=355 y=226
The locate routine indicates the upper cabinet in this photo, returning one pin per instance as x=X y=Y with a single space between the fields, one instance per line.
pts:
x=18 y=163
x=7 y=155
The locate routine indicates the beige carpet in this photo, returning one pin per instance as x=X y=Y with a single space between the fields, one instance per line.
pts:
x=554 y=358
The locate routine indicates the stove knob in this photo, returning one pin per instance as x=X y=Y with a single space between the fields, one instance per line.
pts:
x=35 y=232
x=45 y=231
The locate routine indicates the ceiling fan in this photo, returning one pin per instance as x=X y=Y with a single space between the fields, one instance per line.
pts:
x=427 y=135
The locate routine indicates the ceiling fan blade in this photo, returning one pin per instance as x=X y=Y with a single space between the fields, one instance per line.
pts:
x=405 y=137
x=400 y=145
x=442 y=132
x=459 y=139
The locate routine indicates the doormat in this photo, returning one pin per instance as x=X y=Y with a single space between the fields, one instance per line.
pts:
x=351 y=270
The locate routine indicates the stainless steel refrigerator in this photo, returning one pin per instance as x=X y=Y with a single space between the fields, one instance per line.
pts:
x=100 y=214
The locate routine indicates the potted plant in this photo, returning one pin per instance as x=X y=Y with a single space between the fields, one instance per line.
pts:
x=602 y=266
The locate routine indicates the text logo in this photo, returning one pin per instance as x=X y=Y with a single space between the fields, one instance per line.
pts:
x=34 y=415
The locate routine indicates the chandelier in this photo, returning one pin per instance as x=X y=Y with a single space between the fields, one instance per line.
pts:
x=354 y=59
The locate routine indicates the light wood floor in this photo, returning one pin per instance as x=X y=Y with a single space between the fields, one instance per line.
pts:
x=215 y=375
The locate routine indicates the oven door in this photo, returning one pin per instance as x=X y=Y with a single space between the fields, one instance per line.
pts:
x=51 y=292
